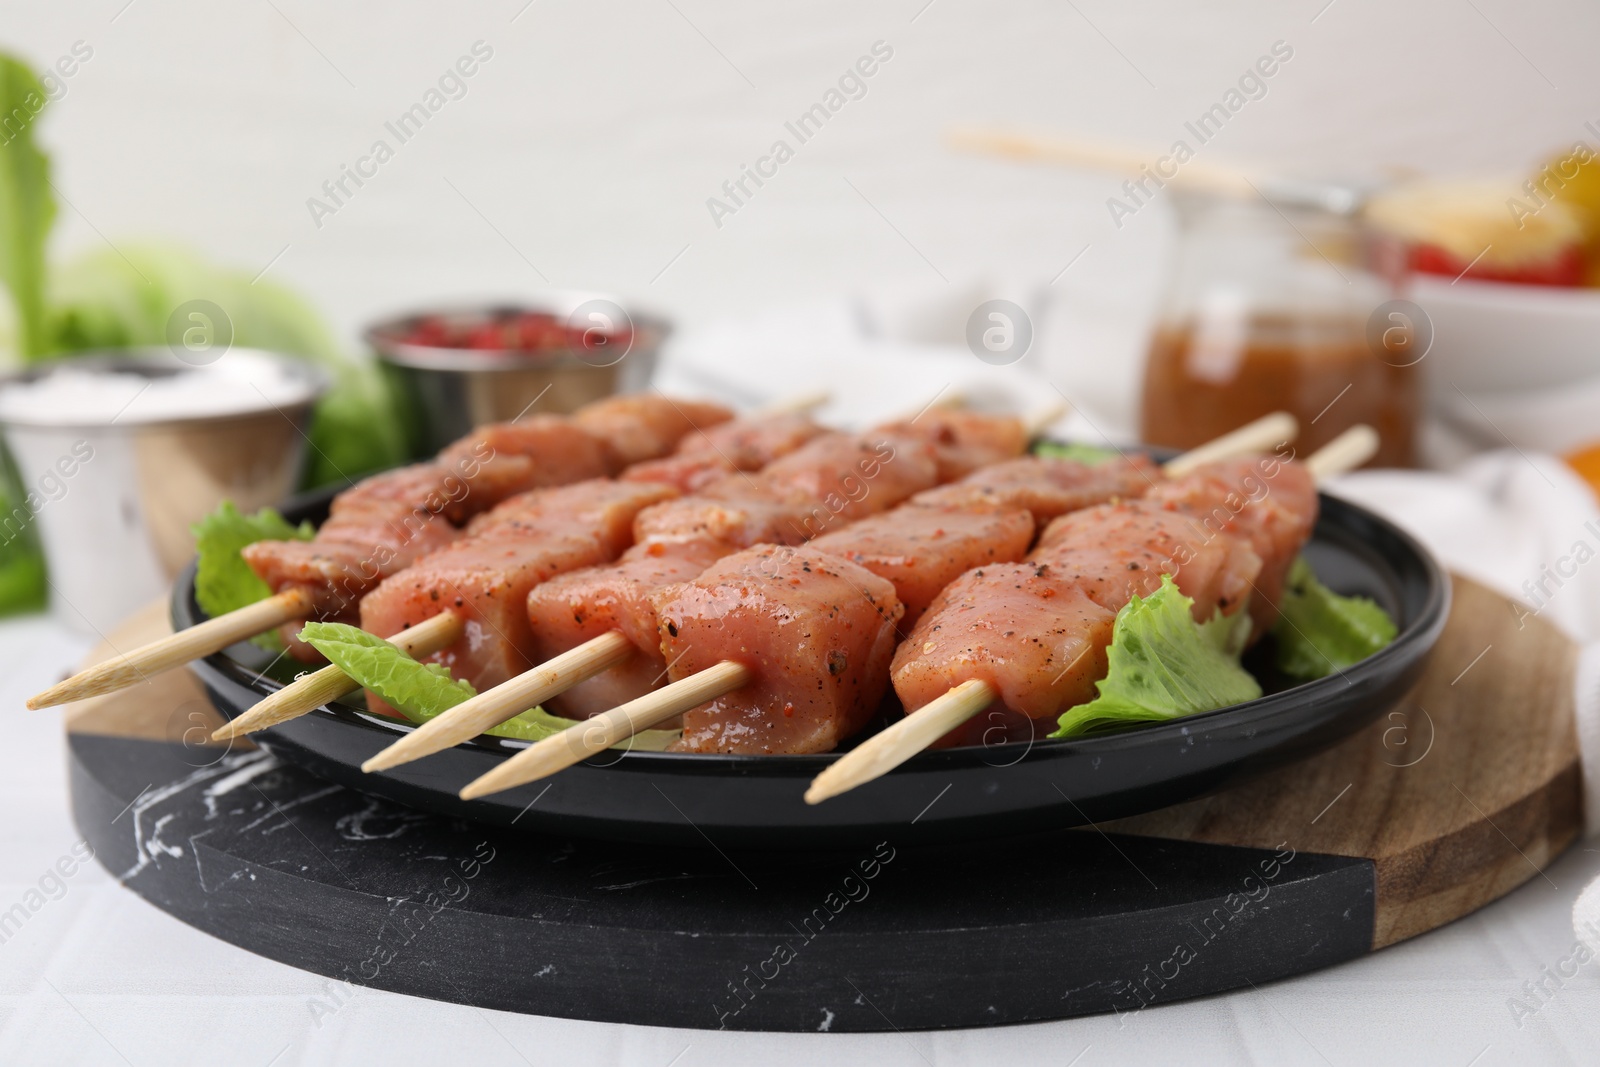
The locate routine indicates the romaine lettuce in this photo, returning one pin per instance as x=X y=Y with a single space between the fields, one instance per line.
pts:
x=27 y=207
x=421 y=691
x=1090 y=455
x=1319 y=631
x=223 y=581
x=1164 y=665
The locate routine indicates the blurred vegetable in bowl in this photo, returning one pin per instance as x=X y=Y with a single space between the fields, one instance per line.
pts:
x=123 y=297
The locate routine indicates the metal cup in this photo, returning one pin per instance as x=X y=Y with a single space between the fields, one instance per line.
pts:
x=445 y=392
x=113 y=500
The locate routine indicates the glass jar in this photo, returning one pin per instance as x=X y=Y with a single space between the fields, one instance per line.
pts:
x=1270 y=307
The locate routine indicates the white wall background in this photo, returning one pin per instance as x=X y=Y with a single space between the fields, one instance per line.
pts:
x=593 y=137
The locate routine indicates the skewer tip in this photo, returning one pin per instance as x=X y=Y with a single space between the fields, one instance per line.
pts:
x=380 y=763
x=814 y=795
x=482 y=787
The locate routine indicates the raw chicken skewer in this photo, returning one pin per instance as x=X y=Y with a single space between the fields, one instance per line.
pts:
x=679 y=540
x=1075 y=582
x=526 y=540
x=776 y=598
x=387 y=521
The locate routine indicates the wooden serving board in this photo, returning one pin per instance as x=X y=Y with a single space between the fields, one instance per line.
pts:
x=1463 y=792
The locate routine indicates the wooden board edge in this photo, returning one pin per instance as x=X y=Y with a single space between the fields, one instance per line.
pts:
x=1440 y=881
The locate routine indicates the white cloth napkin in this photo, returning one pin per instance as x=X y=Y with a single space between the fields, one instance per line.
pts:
x=1523 y=524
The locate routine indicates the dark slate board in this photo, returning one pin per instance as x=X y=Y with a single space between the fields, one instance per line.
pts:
x=354 y=887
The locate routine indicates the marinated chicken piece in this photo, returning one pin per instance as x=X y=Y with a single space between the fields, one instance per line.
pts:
x=607 y=508
x=1118 y=551
x=1270 y=502
x=505 y=458
x=673 y=542
x=392 y=493
x=1047 y=486
x=1024 y=628
x=487 y=577
x=848 y=477
x=747 y=515
x=965 y=440
x=687 y=474
x=753 y=441
x=577 y=607
x=817 y=632
x=922 y=549
x=642 y=426
x=374 y=529
x=744 y=444
x=386 y=522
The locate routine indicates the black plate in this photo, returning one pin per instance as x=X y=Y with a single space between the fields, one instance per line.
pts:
x=755 y=801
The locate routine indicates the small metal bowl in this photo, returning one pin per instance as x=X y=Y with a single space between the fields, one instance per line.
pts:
x=113 y=498
x=444 y=391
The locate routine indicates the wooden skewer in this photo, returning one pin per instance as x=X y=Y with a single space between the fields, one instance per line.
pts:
x=1266 y=432
x=196 y=642
x=577 y=743
x=493 y=707
x=1344 y=453
x=330 y=683
x=797 y=405
x=1041 y=420
x=1094 y=155
x=1136 y=162
x=883 y=752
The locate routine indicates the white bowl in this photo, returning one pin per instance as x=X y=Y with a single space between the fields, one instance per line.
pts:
x=1557 y=419
x=1494 y=337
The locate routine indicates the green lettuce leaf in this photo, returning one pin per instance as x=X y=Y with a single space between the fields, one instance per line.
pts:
x=223 y=581
x=421 y=691
x=27 y=206
x=1319 y=631
x=1164 y=665
x=1090 y=455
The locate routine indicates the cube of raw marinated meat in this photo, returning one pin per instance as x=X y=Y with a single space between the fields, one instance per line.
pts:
x=753 y=441
x=505 y=458
x=849 y=477
x=1117 y=551
x=816 y=631
x=574 y=608
x=965 y=440
x=1024 y=628
x=486 y=578
x=744 y=444
x=922 y=549
x=685 y=473
x=1270 y=502
x=373 y=530
x=641 y=426
x=1047 y=486
x=745 y=516
x=606 y=507
x=486 y=581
